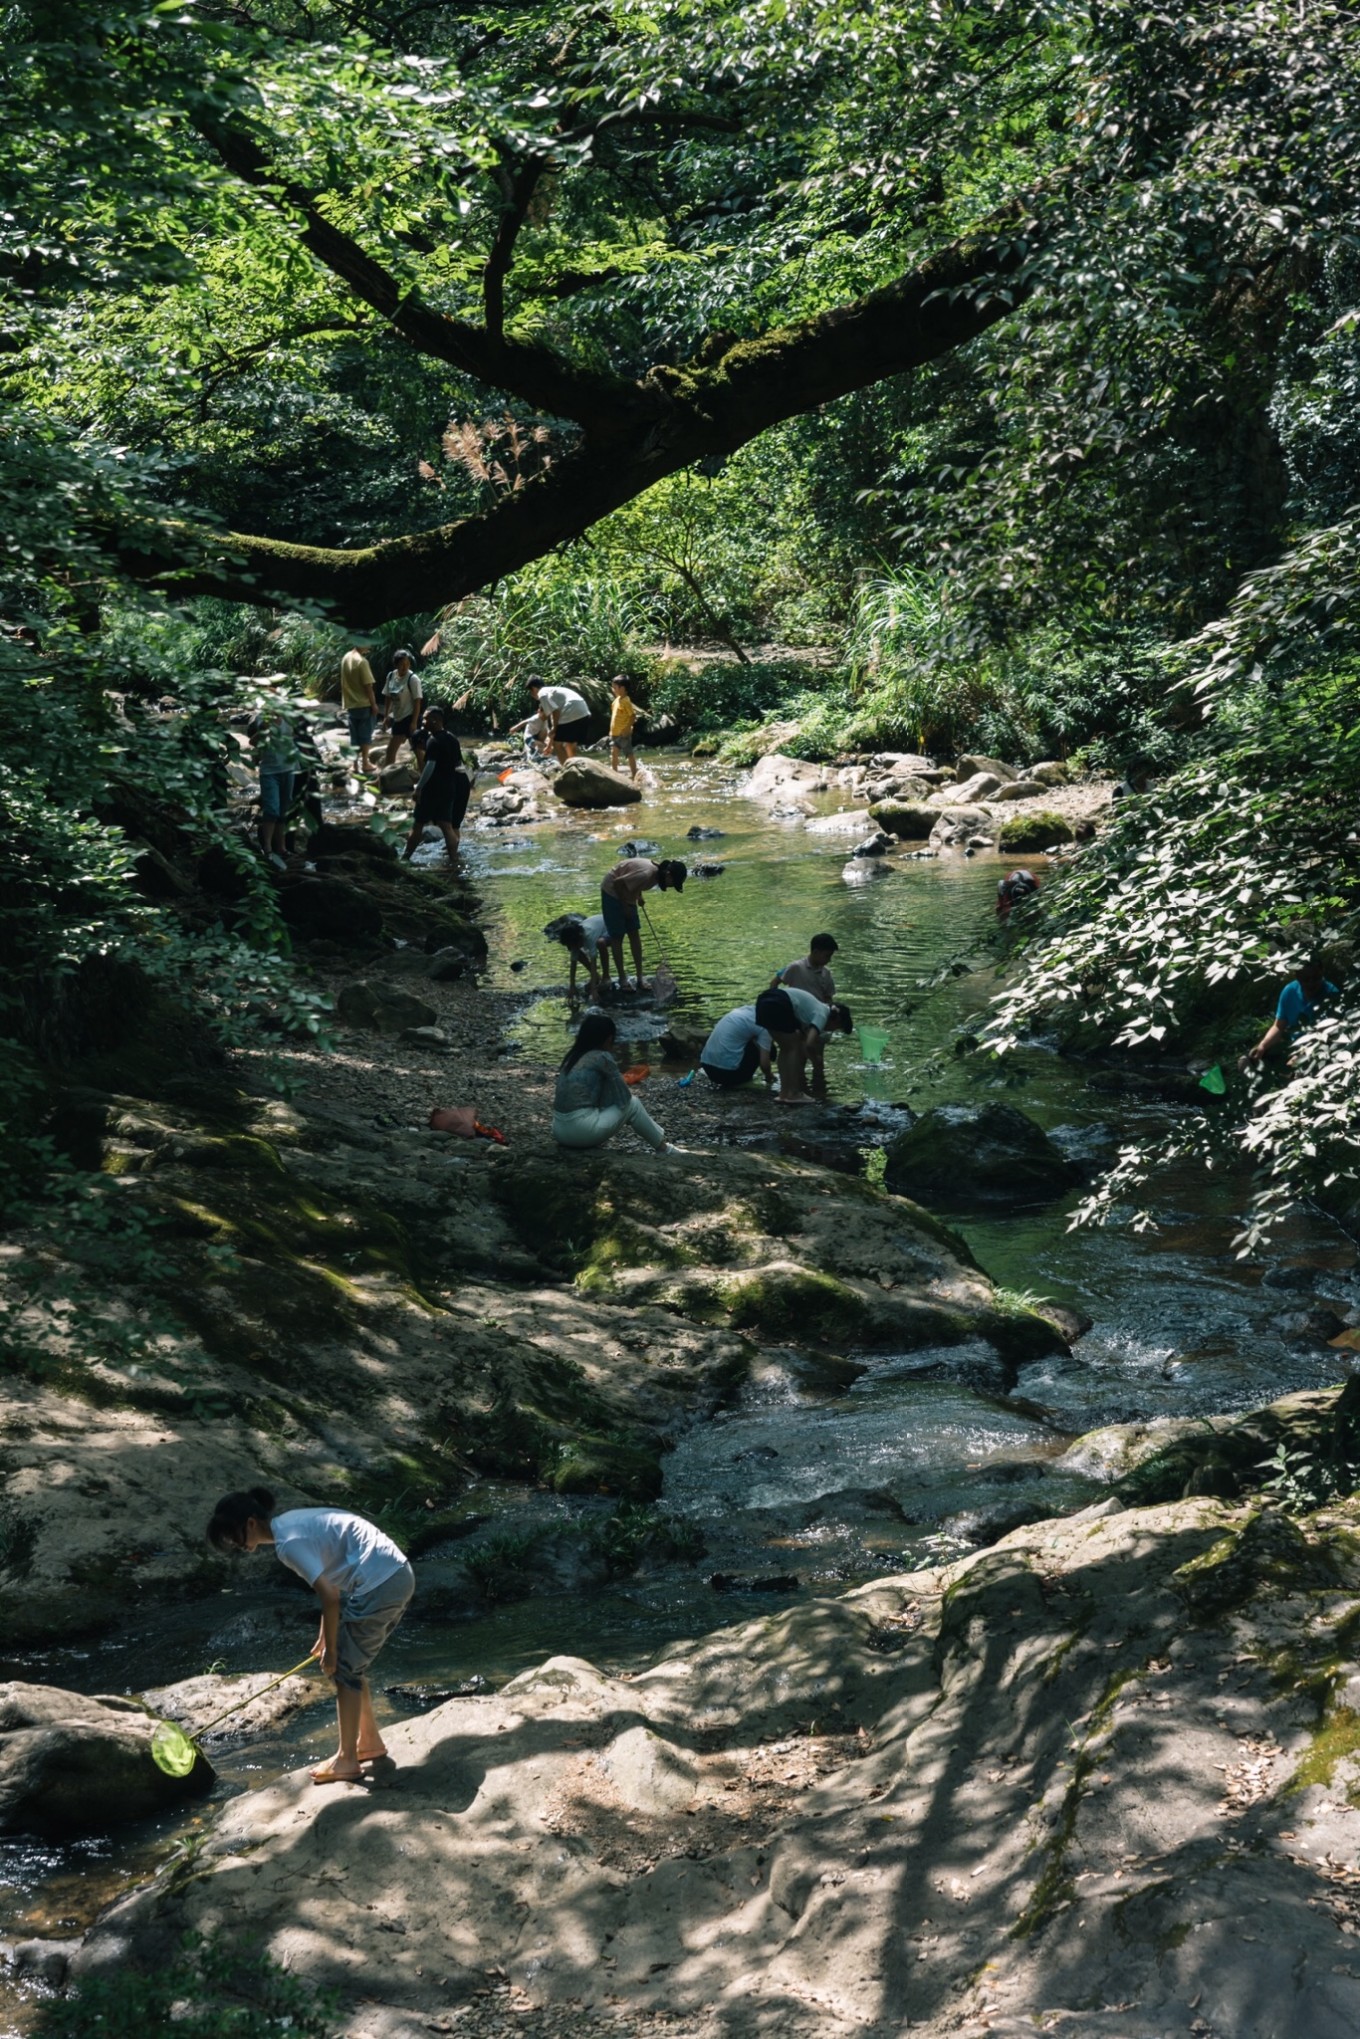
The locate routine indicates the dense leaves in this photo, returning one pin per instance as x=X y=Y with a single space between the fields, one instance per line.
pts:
x=1006 y=351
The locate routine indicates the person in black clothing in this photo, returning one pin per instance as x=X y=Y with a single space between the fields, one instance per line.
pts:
x=444 y=789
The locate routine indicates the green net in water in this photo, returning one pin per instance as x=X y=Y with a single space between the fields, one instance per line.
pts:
x=172 y=1750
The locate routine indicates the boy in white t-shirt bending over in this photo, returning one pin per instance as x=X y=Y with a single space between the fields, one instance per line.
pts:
x=364 y=1585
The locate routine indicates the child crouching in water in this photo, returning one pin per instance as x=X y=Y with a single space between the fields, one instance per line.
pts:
x=364 y=1584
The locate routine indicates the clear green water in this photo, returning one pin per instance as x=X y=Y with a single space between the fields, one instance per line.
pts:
x=778 y=1482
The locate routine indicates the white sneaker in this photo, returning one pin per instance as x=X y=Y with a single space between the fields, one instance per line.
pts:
x=277 y=861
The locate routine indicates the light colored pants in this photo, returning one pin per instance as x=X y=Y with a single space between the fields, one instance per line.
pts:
x=592 y=1129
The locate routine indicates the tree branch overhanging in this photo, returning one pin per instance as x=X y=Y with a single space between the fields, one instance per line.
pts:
x=600 y=403
x=695 y=411
x=518 y=186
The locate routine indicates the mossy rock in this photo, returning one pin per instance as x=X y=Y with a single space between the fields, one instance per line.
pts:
x=970 y=1155
x=591 y=1466
x=906 y=819
x=1037 y=831
x=1269 y=1550
x=785 y=1301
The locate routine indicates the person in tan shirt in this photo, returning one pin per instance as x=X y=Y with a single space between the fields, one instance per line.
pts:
x=620 y=892
x=359 y=699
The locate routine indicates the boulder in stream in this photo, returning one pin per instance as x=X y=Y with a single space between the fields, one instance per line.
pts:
x=583 y=782
x=971 y=764
x=192 y=1702
x=963 y=1155
x=71 y=1764
x=909 y=820
x=1020 y=789
x=1039 y=831
x=981 y=786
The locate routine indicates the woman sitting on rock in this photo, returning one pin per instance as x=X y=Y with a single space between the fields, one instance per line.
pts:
x=592 y=1100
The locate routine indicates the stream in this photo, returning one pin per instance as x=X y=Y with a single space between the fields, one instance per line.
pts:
x=828 y=1477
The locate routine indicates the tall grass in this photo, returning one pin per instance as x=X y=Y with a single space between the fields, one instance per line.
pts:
x=913 y=680
x=566 y=629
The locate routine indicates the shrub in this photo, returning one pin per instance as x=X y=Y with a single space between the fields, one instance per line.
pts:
x=208 y=1992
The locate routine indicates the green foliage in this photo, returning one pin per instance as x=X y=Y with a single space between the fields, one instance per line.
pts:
x=546 y=622
x=209 y=1991
x=1302 y=1480
x=504 y=1568
x=1183 y=919
x=635 y=1531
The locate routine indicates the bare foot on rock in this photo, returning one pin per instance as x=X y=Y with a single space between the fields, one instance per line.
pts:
x=340 y=1770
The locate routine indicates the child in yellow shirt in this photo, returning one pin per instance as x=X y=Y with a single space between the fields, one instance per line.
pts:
x=622 y=716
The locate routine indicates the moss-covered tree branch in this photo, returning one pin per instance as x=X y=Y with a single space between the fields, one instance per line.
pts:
x=702 y=409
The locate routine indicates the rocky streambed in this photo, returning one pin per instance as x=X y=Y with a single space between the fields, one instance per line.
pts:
x=1098 y=1779
x=580 y=1389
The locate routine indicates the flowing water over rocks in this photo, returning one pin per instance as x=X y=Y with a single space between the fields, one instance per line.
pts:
x=857 y=1427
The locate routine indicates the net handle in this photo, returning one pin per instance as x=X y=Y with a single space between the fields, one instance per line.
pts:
x=653 y=933
x=237 y=1704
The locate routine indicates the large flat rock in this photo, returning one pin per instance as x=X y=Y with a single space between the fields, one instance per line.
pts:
x=1046 y=1788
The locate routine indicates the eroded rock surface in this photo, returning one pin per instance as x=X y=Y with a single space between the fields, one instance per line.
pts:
x=1063 y=1785
x=366 y=1310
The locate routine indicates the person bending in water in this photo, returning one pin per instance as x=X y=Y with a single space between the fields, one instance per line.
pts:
x=364 y=1584
x=620 y=891
x=813 y=973
x=736 y=1048
x=798 y=1024
x=584 y=941
x=592 y=1100
x=1297 y=1008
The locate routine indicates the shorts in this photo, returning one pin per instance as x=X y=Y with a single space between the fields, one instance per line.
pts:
x=276 y=794
x=730 y=1079
x=366 y=1621
x=619 y=920
x=444 y=804
x=404 y=727
x=623 y=743
x=774 y=1012
x=581 y=730
x=361 y=721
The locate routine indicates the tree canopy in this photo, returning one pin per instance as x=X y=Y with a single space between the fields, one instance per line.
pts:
x=1007 y=352
x=655 y=233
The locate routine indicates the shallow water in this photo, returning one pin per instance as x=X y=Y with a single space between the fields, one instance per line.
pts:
x=828 y=1481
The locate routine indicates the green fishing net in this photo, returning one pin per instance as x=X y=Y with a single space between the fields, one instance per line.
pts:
x=172 y=1750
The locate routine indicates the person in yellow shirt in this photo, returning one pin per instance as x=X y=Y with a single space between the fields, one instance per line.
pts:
x=359 y=699
x=622 y=716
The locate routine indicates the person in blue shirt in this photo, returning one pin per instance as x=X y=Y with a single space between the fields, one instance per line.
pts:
x=1298 y=1005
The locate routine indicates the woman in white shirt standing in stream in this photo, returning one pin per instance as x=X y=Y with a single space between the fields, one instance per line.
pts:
x=364 y=1584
